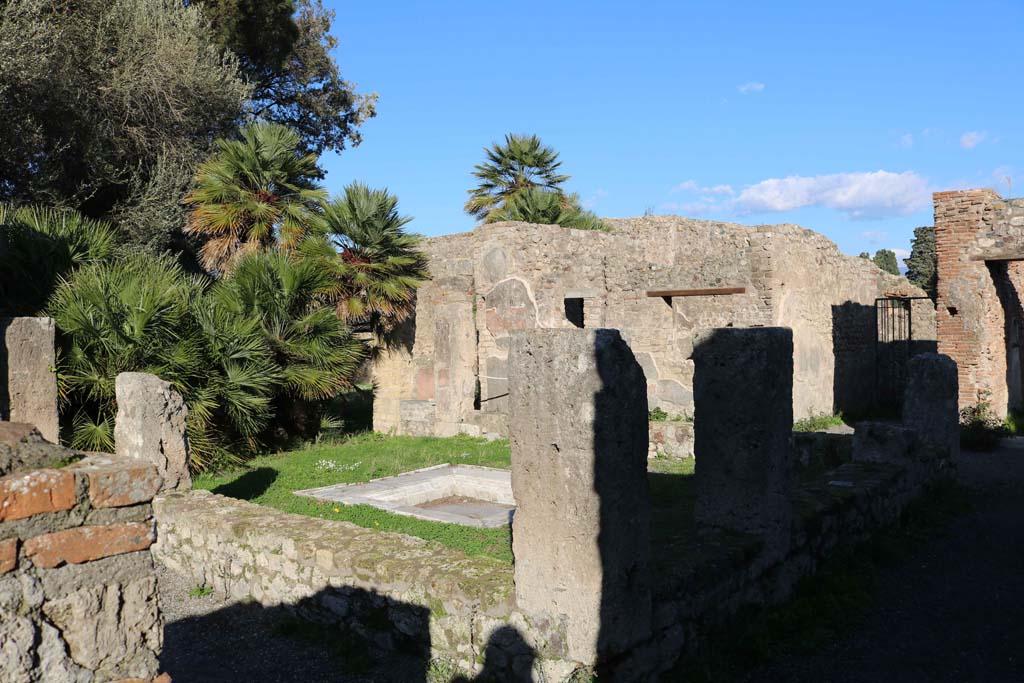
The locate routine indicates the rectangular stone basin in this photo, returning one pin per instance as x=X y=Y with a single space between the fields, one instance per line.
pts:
x=459 y=494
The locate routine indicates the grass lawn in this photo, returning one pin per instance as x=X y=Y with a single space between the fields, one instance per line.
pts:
x=270 y=480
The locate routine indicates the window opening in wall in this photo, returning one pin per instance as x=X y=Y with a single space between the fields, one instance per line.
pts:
x=574 y=311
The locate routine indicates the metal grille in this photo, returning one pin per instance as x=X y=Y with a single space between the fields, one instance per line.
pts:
x=894 y=340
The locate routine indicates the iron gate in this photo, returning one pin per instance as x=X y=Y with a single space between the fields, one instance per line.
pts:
x=894 y=345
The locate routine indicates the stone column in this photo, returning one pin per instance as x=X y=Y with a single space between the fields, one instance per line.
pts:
x=150 y=426
x=31 y=374
x=581 y=531
x=743 y=424
x=930 y=402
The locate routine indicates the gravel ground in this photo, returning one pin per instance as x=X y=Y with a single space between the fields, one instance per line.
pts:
x=955 y=611
x=211 y=639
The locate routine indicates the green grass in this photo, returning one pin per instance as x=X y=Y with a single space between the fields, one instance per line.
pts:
x=818 y=423
x=200 y=591
x=270 y=480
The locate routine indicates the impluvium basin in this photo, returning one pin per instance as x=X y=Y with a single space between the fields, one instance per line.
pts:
x=460 y=494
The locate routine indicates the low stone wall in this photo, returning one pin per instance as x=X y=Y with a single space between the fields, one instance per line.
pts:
x=670 y=439
x=78 y=597
x=394 y=590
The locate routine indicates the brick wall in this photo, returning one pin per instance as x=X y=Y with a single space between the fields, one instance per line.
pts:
x=974 y=232
x=78 y=598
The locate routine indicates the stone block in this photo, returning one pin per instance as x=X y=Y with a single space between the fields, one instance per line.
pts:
x=82 y=544
x=117 y=482
x=883 y=442
x=416 y=418
x=743 y=421
x=8 y=555
x=150 y=426
x=578 y=431
x=31 y=374
x=930 y=402
x=36 y=492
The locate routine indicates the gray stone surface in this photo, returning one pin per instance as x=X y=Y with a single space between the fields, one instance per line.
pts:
x=150 y=426
x=417 y=417
x=31 y=374
x=578 y=422
x=516 y=276
x=883 y=442
x=930 y=402
x=743 y=397
x=427 y=494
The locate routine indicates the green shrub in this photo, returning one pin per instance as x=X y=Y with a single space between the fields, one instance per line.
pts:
x=818 y=423
x=657 y=415
x=980 y=428
x=144 y=314
x=39 y=247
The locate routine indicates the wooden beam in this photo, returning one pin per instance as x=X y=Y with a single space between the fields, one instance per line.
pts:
x=712 y=291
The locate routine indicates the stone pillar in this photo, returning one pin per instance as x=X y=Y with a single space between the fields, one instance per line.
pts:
x=150 y=426
x=31 y=374
x=930 y=402
x=743 y=423
x=969 y=315
x=581 y=531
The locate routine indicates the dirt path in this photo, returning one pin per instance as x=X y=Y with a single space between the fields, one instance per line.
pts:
x=955 y=610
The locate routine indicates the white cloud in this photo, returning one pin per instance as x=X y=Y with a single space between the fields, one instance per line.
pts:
x=972 y=139
x=591 y=201
x=696 y=208
x=874 y=236
x=860 y=196
x=751 y=87
x=906 y=141
x=901 y=254
x=695 y=187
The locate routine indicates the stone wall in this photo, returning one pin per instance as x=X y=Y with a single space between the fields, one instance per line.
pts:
x=980 y=241
x=78 y=598
x=29 y=361
x=506 y=277
x=574 y=467
x=393 y=590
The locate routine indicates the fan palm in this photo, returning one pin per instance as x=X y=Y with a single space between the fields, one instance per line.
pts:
x=315 y=352
x=145 y=314
x=252 y=193
x=375 y=265
x=39 y=246
x=523 y=162
x=550 y=208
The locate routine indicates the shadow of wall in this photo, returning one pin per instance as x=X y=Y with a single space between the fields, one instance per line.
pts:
x=292 y=642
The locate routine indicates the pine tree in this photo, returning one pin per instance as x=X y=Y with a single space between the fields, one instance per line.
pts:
x=922 y=267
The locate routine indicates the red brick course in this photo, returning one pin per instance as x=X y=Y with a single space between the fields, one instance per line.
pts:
x=121 y=483
x=36 y=492
x=8 y=555
x=83 y=544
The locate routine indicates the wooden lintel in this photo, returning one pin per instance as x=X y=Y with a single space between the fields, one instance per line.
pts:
x=711 y=291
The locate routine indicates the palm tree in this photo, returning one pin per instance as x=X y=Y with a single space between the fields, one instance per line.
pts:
x=550 y=208
x=252 y=193
x=143 y=313
x=523 y=162
x=376 y=266
x=39 y=246
x=315 y=353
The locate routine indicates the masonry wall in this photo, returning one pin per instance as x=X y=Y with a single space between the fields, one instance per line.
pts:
x=78 y=596
x=505 y=277
x=980 y=240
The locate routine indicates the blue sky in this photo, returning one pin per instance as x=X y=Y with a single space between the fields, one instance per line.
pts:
x=842 y=117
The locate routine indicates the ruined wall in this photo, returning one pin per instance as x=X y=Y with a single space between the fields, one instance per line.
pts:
x=505 y=277
x=828 y=299
x=29 y=361
x=978 y=315
x=78 y=598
